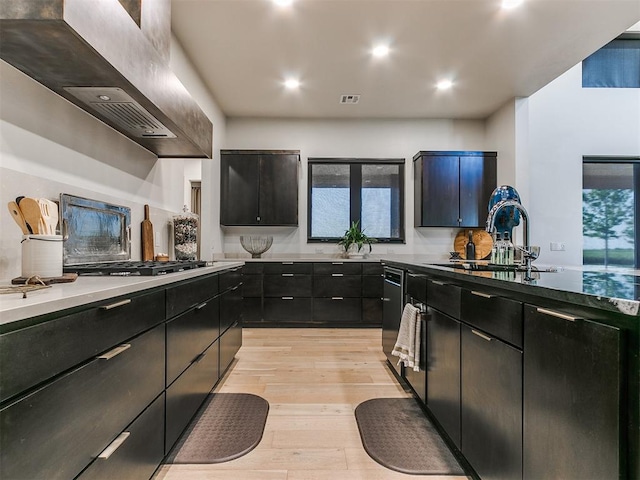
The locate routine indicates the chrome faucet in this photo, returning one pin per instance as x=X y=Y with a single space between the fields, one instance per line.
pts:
x=529 y=253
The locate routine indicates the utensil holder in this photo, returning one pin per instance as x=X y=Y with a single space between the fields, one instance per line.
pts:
x=42 y=255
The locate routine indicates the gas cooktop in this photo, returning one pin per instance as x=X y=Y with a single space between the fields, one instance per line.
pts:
x=133 y=268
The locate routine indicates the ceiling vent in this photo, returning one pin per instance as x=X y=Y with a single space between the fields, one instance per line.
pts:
x=116 y=105
x=349 y=99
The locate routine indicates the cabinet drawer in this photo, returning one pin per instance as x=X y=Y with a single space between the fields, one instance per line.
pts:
x=346 y=268
x=337 y=310
x=230 y=343
x=187 y=393
x=287 y=267
x=287 y=285
x=372 y=311
x=252 y=286
x=372 y=286
x=337 y=285
x=56 y=431
x=47 y=349
x=140 y=452
x=189 y=294
x=372 y=268
x=288 y=309
x=230 y=308
x=253 y=268
x=251 y=310
x=416 y=287
x=444 y=297
x=229 y=279
x=189 y=334
x=498 y=316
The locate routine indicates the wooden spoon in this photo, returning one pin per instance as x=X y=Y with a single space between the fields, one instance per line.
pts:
x=33 y=215
x=49 y=212
x=18 y=217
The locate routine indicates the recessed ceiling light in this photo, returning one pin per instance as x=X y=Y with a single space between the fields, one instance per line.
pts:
x=380 y=50
x=292 y=83
x=444 y=85
x=511 y=3
x=283 y=3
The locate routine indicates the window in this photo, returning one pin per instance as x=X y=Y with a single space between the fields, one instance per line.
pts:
x=616 y=65
x=610 y=206
x=368 y=191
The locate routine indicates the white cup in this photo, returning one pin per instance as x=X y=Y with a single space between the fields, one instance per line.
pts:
x=42 y=255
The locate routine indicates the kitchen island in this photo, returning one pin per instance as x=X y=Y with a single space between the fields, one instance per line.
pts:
x=531 y=378
x=99 y=377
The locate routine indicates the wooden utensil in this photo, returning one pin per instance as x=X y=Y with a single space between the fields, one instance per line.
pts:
x=32 y=213
x=147 y=236
x=481 y=239
x=49 y=212
x=16 y=213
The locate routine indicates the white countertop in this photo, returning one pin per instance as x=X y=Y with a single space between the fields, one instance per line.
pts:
x=89 y=289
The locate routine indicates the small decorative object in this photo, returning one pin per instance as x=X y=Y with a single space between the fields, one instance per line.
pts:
x=354 y=239
x=256 y=245
x=470 y=248
x=185 y=235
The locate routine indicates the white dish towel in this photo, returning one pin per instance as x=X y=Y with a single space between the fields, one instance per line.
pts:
x=407 y=345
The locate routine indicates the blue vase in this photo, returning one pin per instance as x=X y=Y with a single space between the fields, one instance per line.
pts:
x=508 y=217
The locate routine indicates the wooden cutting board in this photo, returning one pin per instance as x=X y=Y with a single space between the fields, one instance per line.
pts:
x=481 y=238
x=147 y=236
x=65 y=278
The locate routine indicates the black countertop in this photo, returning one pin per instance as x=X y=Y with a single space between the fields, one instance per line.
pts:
x=611 y=290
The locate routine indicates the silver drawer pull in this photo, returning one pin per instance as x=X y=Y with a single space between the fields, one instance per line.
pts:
x=200 y=357
x=337 y=274
x=480 y=294
x=337 y=263
x=287 y=274
x=287 y=263
x=116 y=305
x=553 y=313
x=481 y=335
x=437 y=282
x=287 y=298
x=113 y=446
x=115 y=351
x=236 y=287
x=337 y=298
x=201 y=306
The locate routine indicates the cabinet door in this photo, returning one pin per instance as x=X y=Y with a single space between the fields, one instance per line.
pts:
x=443 y=371
x=477 y=182
x=239 y=189
x=572 y=396
x=440 y=191
x=279 y=189
x=491 y=417
x=418 y=380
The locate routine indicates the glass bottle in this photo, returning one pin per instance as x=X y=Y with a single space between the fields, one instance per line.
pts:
x=508 y=250
x=495 y=249
x=185 y=235
x=470 y=249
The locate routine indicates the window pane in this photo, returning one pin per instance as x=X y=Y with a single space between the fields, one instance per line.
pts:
x=330 y=204
x=616 y=65
x=381 y=200
x=608 y=218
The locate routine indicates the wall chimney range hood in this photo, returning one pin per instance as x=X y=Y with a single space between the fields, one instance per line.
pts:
x=110 y=58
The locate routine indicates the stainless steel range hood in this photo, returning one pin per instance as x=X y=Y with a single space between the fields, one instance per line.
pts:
x=110 y=58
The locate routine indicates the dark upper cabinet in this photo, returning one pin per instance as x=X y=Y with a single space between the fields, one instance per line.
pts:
x=259 y=187
x=452 y=189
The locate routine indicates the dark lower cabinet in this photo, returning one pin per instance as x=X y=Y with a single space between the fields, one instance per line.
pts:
x=187 y=393
x=491 y=414
x=230 y=308
x=287 y=310
x=418 y=380
x=56 y=431
x=443 y=371
x=572 y=397
x=136 y=452
x=337 y=310
x=230 y=343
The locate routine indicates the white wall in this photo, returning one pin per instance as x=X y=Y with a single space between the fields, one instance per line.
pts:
x=353 y=138
x=566 y=122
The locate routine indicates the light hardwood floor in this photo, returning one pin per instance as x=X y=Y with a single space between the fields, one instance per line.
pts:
x=313 y=379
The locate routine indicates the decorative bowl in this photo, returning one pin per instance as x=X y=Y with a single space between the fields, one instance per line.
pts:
x=256 y=245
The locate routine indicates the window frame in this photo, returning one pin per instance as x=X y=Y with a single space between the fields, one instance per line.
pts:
x=355 y=188
x=635 y=161
x=592 y=65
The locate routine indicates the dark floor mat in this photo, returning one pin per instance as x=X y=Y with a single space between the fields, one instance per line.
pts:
x=227 y=426
x=397 y=434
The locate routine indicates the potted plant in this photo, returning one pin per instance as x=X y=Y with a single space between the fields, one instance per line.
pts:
x=354 y=239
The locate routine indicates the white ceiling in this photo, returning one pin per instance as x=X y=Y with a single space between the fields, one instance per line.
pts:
x=244 y=49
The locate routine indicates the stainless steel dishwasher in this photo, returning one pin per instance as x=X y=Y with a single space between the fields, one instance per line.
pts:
x=392 y=306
